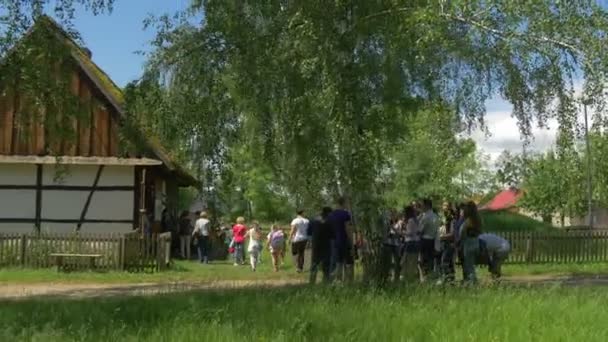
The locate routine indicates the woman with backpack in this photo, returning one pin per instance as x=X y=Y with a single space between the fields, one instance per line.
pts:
x=276 y=245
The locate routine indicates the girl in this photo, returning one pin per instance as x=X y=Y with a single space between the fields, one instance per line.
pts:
x=469 y=241
x=276 y=245
x=255 y=245
x=239 y=230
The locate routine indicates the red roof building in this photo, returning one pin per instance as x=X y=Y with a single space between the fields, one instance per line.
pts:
x=504 y=200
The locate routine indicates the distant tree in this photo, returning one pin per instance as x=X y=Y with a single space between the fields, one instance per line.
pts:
x=511 y=168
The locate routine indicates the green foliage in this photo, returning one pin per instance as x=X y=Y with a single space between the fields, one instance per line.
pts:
x=555 y=185
x=506 y=221
x=326 y=89
x=511 y=168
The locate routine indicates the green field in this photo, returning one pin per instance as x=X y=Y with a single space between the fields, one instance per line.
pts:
x=318 y=314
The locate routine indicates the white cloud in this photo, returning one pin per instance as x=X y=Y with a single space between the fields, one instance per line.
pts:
x=504 y=134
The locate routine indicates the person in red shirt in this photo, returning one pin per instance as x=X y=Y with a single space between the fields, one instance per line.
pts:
x=239 y=230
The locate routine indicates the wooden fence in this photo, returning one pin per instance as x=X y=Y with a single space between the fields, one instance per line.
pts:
x=557 y=247
x=128 y=252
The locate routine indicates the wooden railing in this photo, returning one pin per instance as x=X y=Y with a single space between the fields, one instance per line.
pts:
x=557 y=247
x=130 y=252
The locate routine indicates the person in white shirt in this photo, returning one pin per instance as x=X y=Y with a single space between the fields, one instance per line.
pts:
x=496 y=249
x=429 y=225
x=299 y=239
x=201 y=235
x=411 y=247
x=255 y=245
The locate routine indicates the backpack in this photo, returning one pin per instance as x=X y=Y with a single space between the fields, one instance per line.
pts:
x=277 y=239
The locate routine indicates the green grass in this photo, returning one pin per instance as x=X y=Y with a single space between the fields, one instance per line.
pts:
x=318 y=314
x=501 y=221
x=185 y=271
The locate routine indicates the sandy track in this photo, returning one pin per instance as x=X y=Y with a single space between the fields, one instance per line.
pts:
x=22 y=291
x=25 y=291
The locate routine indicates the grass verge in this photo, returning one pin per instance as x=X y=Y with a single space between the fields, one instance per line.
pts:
x=318 y=314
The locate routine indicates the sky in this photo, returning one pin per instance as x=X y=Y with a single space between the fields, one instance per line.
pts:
x=114 y=40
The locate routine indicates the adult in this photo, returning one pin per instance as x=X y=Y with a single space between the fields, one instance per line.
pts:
x=448 y=248
x=201 y=234
x=322 y=235
x=239 y=230
x=469 y=241
x=255 y=245
x=496 y=250
x=165 y=221
x=411 y=246
x=340 y=220
x=276 y=245
x=185 y=234
x=299 y=238
x=429 y=225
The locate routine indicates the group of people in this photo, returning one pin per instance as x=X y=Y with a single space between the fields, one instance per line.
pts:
x=329 y=235
x=423 y=244
x=420 y=243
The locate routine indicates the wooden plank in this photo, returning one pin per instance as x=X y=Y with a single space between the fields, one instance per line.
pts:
x=7 y=125
x=101 y=131
x=88 y=201
x=72 y=122
x=85 y=123
x=113 y=137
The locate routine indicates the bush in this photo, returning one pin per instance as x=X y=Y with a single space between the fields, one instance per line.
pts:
x=506 y=221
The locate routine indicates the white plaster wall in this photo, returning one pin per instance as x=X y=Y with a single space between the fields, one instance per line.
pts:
x=17 y=174
x=10 y=228
x=61 y=204
x=111 y=205
x=84 y=175
x=97 y=228
x=18 y=203
x=105 y=205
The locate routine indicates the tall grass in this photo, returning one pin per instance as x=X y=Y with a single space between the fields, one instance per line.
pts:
x=319 y=314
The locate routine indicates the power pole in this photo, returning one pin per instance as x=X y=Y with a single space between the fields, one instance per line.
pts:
x=589 y=183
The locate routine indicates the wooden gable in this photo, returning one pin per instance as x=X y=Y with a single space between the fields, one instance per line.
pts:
x=24 y=130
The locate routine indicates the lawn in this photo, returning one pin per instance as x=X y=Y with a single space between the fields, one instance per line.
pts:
x=190 y=271
x=318 y=314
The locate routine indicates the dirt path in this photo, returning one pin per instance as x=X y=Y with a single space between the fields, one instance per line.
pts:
x=24 y=291
x=8 y=291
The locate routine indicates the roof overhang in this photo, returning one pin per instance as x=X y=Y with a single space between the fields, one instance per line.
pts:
x=71 y=160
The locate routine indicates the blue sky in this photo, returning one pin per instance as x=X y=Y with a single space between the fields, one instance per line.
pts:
x=114 y=39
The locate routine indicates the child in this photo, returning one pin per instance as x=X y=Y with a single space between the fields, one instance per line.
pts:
x=255 y=245
x=276 y=245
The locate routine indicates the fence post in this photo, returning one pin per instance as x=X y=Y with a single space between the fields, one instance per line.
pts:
x=529 y=248
x=121 y=257
x=22 y=251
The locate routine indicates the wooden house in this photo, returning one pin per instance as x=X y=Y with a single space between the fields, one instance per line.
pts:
x=84 y=181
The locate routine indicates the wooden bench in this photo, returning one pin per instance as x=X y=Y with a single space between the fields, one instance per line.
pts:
x=60 y=257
